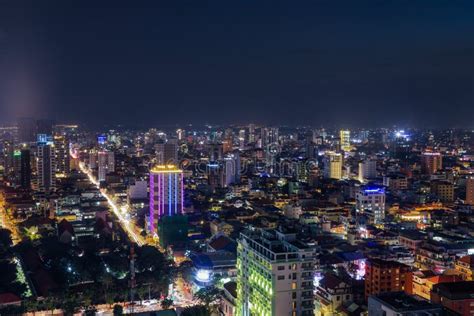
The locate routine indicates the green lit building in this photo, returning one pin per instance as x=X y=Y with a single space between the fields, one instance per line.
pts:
x=275 y=274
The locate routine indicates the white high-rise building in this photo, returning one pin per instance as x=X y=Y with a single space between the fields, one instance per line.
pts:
x=106 y=164
x=370 y=201
x=45 y=164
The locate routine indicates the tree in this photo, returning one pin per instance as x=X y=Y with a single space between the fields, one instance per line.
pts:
x=207 y=295
x=166 y=303
x=107 y=280
x=118 y=310
x=197 y=310
x=5 y=240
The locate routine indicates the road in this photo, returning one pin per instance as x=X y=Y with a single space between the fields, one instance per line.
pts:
x=119 y=211
x=180 y=294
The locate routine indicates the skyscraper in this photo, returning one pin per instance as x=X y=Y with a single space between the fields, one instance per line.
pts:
x=166 y=193
x=25 y=169
x=345 y=137
x=61 y=154
x=45 y=163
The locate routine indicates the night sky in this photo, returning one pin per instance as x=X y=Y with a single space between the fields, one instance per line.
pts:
x=349 y=63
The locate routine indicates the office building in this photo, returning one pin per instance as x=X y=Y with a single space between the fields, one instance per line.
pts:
x=333 y=165
x=274 y=274
x=345 y=140
x=166 y=193
x=431 y=162
x=370 y=201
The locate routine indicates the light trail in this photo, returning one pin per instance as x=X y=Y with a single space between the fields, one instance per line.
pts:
x=124 y=222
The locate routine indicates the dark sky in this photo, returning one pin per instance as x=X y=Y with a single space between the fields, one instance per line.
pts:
x=353 y=63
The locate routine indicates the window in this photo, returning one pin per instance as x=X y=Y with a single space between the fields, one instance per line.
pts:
x=293 y=285
x=281 y=268
x=281 y=277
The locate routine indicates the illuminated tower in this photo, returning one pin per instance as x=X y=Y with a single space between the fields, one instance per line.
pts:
x=345 y=136
x=166 y=193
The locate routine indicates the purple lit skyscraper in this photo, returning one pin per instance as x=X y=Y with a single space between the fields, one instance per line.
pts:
x=166 y=193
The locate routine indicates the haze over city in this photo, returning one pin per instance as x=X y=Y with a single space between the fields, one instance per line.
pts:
x=354 y=63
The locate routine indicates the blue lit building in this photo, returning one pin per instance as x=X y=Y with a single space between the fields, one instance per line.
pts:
x=370 y=202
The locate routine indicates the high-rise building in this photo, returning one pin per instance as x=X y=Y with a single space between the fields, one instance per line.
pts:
x=216 y=151
x=105 y=163
x=215 y=175
x=367 y=170
x=370 y=201
x=251 y=133
x=167 y=152
x=61 y=154
x=345 y=139
x=470 y=191
x=275 y=274
x=166 y=193
x=45 y=163
x=333 y=165
x=269 y=136
x=382 y=276
x=25 y=169
x=431 y=162
x=242 y=139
